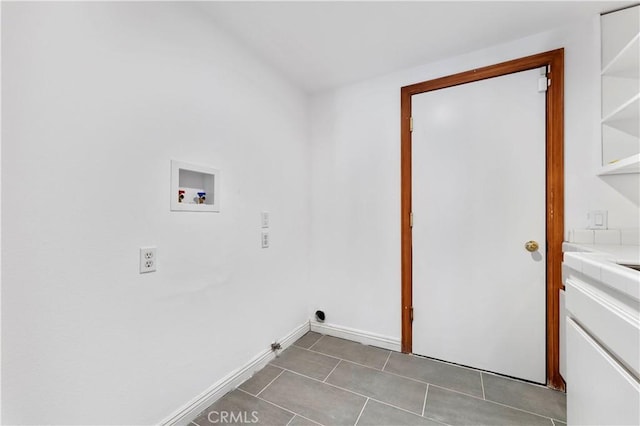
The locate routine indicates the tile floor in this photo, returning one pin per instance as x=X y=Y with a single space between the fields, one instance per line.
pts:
x=330 y=381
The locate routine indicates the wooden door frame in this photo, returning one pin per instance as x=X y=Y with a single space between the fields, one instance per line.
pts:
x=554 y=190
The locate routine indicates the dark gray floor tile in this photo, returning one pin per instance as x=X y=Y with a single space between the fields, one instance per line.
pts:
x=385 y=387
x=457 y=409
x=301 y=421
x=439 y=373
x=308 y=340
x=260 y=379
x=352 y=351
x=238 y=408
x=314 y=400
x=302 y=361
x=377 y=414
x=537 y=399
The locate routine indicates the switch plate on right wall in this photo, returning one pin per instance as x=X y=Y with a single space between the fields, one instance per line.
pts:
x=597 y=219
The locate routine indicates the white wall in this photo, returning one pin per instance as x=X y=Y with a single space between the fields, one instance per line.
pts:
x=355 y=231
x=97 y=98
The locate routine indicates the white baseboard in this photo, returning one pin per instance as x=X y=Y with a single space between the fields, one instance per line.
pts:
x=189 y=411
x=363 y=337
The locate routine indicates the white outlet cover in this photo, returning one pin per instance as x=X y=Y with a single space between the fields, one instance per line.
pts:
x=264 y=217
x=265 y=239
x=148 y=259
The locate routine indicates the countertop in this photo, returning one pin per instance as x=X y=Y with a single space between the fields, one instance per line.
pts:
x=626 y=254
x=601 y=262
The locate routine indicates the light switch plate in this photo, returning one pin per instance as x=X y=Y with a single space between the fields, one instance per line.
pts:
x=264 y=218
x=597 y=219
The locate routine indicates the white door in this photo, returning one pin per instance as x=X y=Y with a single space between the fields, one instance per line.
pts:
x=478 y=195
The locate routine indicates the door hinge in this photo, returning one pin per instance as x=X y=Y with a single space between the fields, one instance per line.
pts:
x=411 y=220
x=411 y=124
x=543 y=83
x=411 y=314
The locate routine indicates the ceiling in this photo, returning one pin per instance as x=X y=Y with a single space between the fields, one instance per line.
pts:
x=320 y=45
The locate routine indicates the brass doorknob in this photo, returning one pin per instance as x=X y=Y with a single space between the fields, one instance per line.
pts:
x=531 y=246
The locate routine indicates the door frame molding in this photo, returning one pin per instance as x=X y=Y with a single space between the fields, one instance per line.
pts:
x=554 y=190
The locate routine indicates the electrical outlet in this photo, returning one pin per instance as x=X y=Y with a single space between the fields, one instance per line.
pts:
x=265 y=239
x=148 y=259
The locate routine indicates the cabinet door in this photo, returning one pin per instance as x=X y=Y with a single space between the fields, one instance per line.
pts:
x=599 y=390
x=616 y=330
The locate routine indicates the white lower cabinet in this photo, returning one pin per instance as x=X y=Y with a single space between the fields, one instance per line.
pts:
x=599 y=390
x=602 y=341
x=614 y=328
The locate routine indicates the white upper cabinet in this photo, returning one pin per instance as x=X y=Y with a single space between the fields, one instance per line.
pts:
x=621 y=91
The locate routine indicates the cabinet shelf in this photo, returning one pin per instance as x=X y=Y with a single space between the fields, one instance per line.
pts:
x=625 y=117
x=620 y=78
x=623 y=166
x=625 y=63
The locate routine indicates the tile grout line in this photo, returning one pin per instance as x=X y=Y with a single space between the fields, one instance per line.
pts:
x=291 y=419
x=430 y=384
x=427 y=383
x=414 y=380
x=331 y=384
x=447 y=389
x=280 y=407
x=337 y=357
x=437 y=421
x=387 y=372
x=343 y=389
x=496 y=403
x=409 y=412
x=361 y=411
x=439 y=361
x=269 y=384
x=385 y=363
x=424 y=404
x=491 y=373
x=314 y=343
x=371 y=368
x=322 y=353
x=509 y=378
x=353 y=392
x=453 y=364
x=334 y=369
